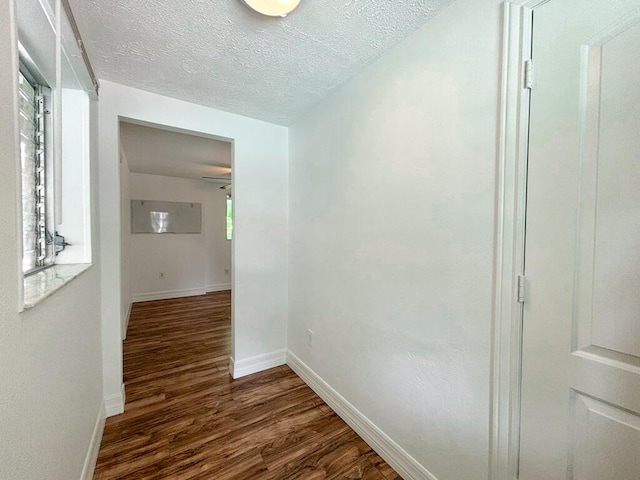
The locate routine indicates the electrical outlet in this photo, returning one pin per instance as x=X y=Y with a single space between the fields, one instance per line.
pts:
x=310 y=338
x=161 y=275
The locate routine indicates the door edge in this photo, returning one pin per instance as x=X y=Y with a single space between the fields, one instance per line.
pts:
x=509 y=237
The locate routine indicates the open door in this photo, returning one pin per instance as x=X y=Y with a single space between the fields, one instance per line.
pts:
x=580 y=396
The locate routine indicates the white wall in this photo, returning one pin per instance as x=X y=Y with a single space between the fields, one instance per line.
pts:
x=125 y=244
x=191 y=264
x=261 y=206
x=50 y=363
x=74 y=221
x=392 y=214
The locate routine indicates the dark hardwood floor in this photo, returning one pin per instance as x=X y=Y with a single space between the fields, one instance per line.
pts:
x=185 y=418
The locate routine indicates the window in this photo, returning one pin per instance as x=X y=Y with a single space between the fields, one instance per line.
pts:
x=229 y=217
x=55 y=89
x=35 y=157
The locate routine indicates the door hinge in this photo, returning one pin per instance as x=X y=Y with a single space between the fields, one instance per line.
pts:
x=528 y=74
x=521 y=288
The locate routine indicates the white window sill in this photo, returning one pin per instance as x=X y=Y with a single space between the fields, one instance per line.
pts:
x=43 y=284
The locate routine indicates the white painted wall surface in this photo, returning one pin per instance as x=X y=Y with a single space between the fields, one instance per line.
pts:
x=75 y=220
x=261 y=205
x=50 y=363
x=191 y=264
x=392 y=215
x=125 y=244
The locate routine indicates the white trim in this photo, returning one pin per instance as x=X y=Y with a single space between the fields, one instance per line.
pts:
x=114 y=404
x=509 y=241
x=258 y=363
x=403 y=463
x=146 y=297
x=94 y=446
x=220 y=287
x=126 y=321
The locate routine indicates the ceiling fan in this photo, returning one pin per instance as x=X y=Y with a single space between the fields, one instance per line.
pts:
x=226 y=181
x=220 y=173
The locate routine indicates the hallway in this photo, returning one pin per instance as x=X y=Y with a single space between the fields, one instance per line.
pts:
x=185 y=418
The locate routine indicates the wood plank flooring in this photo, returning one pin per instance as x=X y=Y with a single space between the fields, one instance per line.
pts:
x=185 y=418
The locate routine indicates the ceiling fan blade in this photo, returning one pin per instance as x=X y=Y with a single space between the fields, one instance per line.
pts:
x=222 y=168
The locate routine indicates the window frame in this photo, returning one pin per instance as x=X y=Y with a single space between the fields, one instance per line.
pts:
x=48 y=46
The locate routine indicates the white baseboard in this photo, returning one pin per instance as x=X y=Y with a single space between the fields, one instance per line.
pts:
x=220 y=287
x=256 y=364
x=94 y=446
x=147 y=297
x=114 y=404
x=403 y=463
x=126 y=321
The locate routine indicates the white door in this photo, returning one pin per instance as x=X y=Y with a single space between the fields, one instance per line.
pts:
x=580 y=411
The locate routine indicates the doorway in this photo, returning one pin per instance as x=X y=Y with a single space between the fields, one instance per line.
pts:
x=179 y=168
x=187 y=175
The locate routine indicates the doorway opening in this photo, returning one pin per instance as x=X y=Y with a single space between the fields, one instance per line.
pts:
x=175 y=187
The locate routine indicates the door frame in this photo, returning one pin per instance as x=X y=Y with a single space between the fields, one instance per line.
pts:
x=511 y=181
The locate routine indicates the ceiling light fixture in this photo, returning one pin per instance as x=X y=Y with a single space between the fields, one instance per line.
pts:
x=273 y=8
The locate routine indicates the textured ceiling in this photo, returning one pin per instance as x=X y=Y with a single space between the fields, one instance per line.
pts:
x=221 y=54
x=174 y=154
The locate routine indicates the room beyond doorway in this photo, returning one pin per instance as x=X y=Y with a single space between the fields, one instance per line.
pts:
x=168 y=168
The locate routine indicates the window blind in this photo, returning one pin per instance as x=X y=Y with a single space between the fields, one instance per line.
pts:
x=36 y=239
x=28 y=147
